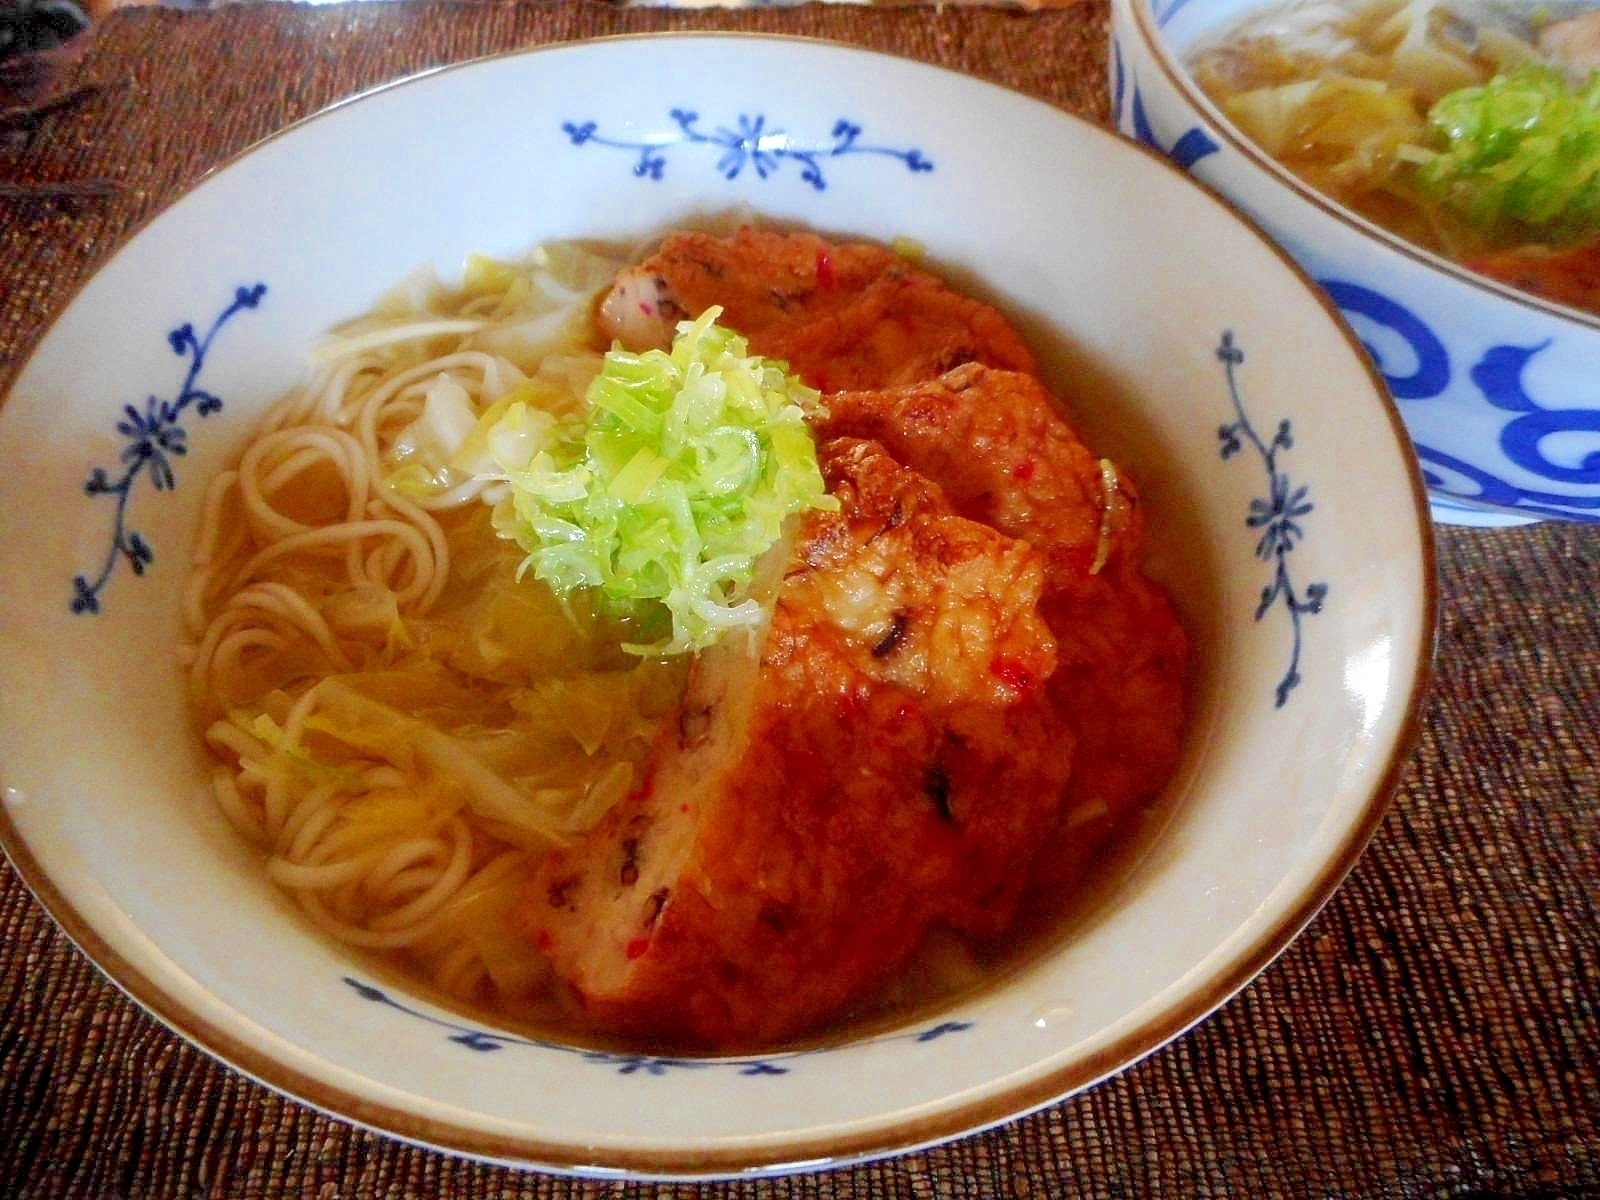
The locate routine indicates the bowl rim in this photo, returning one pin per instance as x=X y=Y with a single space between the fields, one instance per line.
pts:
x=1144 y=20
x=893 y=1133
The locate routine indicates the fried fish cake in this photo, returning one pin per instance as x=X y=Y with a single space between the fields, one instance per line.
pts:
x=884 y=761
x=841 y=314
x=1001 y=448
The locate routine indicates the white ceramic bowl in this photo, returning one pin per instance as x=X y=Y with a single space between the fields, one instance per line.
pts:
x=1306 y=584
x=1498 y=389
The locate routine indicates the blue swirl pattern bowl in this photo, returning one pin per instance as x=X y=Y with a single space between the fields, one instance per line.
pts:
x=1498 y=389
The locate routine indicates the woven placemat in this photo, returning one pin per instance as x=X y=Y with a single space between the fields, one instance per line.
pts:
x=1435 y=1032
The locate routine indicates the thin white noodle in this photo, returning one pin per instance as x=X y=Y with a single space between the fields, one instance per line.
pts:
x=388 y=335
x=317 y=877
x=276 y=803
x=339 y=538
x=401 y=856
x=226 y=736
x=272 y=598
x=240 y=813
x=413 y=880
x=385 y=854
x=429 y=527
x=294 y=721
x=275 y=462
x=444 y=885
x=317 y=810
x=223 y=655
x=331 y=403
x=300 y=450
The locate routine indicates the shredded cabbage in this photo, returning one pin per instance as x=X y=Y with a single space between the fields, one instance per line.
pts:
x=1523 y=148
x=665 y=492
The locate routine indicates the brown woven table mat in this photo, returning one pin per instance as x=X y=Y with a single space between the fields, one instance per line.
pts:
x=1434 y=1033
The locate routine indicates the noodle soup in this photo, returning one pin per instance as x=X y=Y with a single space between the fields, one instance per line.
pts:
x=465 y=746
x=1467 y=129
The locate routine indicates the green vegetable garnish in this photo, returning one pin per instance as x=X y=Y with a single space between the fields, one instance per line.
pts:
x=680 y=476
x=1522 y=150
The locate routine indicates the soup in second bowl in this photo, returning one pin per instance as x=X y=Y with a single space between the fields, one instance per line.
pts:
x=1472 y=131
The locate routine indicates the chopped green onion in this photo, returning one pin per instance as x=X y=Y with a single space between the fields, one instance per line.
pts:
x=1521 y=150
x=680 y=475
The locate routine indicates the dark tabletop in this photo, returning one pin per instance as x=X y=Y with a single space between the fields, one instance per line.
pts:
x=1433 y=1033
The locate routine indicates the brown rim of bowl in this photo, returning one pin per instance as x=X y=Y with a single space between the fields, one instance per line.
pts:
x=779 y=1155
x=1144 y=20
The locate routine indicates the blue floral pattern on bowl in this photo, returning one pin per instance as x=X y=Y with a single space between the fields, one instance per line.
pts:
x=155 y=436
x=752 y=143
x=1278 y=516
x=627 y=1062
